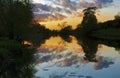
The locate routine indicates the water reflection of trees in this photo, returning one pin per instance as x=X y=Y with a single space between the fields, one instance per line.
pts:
x=16 y=60
x=90 y=47
x=66 y=58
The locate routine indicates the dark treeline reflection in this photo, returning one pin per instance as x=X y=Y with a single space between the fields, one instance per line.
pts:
x=90 y=46
x=65 y=57
x=16 y=60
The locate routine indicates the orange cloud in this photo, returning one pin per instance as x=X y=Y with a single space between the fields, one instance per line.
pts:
x=79 y=14
x=63 y=2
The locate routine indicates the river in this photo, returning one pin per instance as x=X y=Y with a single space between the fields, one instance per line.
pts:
x=77 y=58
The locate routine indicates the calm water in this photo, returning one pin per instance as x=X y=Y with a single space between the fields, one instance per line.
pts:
x=77 y=58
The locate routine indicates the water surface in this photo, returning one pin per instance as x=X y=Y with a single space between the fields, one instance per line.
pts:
x=77 y=58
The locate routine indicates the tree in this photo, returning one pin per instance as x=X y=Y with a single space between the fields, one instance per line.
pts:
x=117 y=17
x=89 y=20
x=15 y=18
x=16 y=59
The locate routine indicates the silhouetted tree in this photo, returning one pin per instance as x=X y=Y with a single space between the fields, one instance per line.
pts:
x=2 y=19
x=15 y=18
x=20 y=21
x=89 y=20
x=117 y=17
x=15 y=58
x=66 y=30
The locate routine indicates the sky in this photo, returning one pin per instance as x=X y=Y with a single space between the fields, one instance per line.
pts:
x=55 y=14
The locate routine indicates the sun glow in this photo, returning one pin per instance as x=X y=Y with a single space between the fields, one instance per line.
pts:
x=59 y=24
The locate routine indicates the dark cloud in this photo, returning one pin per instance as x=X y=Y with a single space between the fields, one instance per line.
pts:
x=44 y=12
x=84 y=4
x=71 y=61
x=58 y=9
x=59 y=16
x=50 y=17
x=64 y=59
x=75 y=5
x=46 y=58
x=103 y=63
x=95 y=3
x=39 y=6
x=68 y=4
x=42 y=17
x=103 y=3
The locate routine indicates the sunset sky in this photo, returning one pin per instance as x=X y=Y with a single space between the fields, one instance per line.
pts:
x=56 y=13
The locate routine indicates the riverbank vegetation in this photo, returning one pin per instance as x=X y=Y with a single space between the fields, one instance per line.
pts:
x=16 y=58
